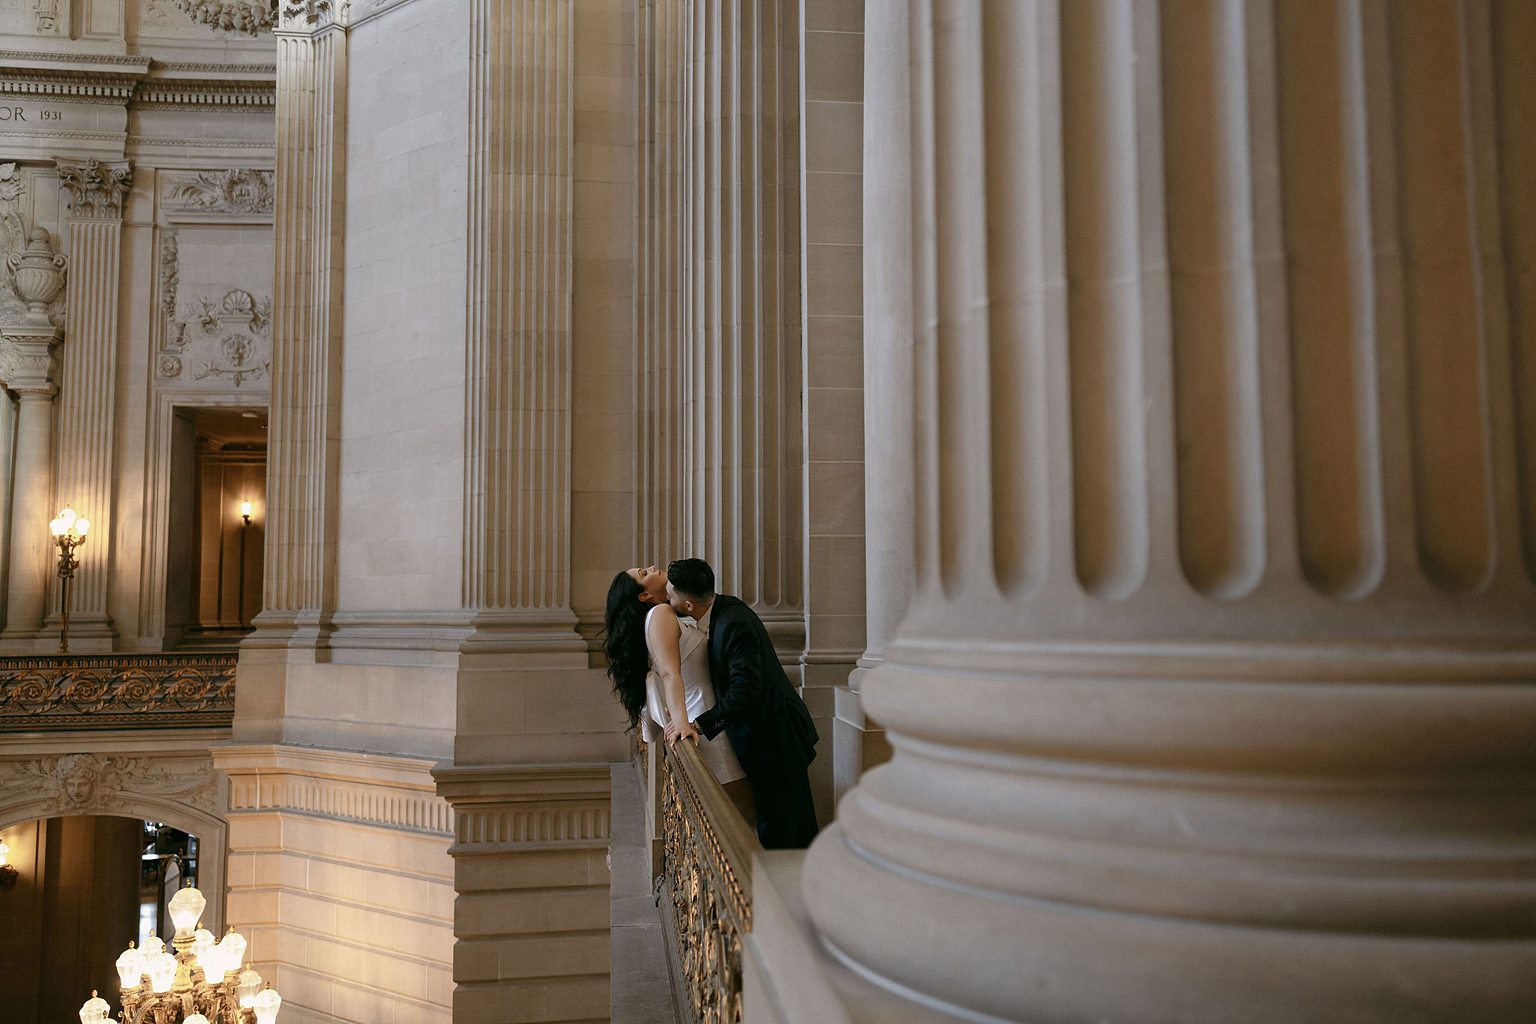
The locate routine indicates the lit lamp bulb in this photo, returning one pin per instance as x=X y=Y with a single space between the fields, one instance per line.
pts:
x=245 y=510
x=232 y=950
x=95 y=1010
x=205 y=953
x=4 y=850
x=153 y=946
x=186 y=910
x=265 y=1004
x=249 y=985
x=130 y=967
x=161 y=969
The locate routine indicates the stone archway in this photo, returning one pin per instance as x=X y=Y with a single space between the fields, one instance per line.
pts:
x=181 y=789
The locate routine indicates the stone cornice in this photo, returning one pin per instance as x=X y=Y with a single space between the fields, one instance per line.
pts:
x=371 y=789
x=137 y=81
x=503 y=808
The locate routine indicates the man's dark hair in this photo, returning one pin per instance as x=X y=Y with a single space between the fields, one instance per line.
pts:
x=692 y=577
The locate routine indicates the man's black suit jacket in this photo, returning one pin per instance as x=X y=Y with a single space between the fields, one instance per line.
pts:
x=768 y=724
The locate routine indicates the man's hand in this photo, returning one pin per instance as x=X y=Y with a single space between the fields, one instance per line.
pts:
x=680 y=730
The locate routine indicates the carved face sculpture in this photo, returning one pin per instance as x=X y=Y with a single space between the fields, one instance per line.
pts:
x=78 y=780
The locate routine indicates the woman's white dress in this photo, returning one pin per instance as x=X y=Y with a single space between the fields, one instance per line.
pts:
x=698 y=697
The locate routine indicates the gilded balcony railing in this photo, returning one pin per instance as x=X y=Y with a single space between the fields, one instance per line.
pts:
x=706 y=885
x=117 y=691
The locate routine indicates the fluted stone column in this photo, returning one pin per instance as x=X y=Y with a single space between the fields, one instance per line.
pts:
x=1216 y=699
x=303 y=451
x=517 y=515
x=719 y=397
x=859 y=743
x=86 y=404
x=31 y=378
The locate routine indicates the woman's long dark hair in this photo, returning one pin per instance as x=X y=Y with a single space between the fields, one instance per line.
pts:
x=624 y=644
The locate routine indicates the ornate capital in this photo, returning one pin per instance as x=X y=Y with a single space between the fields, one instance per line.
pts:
x=96 y=187
x=27 y=362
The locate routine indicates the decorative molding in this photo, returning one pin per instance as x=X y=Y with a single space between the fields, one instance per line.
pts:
x=96 y=187
x=96 y=783
x=493 y=830
x=342 y=800
x=371 y=789
x=246 y=17
x=242 y=70
x=117 y=691
x=228 y=338
x=241 y=190
x=183 y=94
x=170 y=276
x=173 y=143
x=68 y=86
x=506 y=808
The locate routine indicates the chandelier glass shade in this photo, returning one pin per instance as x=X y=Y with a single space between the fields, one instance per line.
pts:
x=196 y=981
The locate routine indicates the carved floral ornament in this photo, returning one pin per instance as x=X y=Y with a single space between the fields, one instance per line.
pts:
x=241 y=190
x=251 y=17
x=96 y=188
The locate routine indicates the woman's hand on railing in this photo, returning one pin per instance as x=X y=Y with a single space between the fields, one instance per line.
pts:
x=682 y=729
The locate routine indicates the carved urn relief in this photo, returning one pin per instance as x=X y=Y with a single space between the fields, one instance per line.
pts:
x=37 y=272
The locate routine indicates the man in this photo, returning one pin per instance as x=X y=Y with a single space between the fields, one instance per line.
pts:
x=767 y=723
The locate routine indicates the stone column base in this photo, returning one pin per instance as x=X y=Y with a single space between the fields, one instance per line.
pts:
x=858 y=744
x=531 y=914
x=790 y=978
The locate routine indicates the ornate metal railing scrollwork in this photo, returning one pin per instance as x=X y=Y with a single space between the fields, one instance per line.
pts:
x=706 y=885
x=117 y=691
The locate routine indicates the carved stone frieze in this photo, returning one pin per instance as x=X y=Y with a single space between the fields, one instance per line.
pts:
x=144 y=691
x=96 y=188
x=248 y=17
x=96 y=783
x=240 y=190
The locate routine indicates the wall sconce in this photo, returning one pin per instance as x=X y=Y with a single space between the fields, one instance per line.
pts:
x=69 y=532
x=245 y=514
x=8 y=872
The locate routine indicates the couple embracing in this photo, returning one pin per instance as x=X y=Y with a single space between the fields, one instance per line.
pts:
x=702 y=666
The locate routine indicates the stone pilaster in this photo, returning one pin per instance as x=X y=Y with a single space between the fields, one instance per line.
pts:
x=517 y=472
x=718 y=263
x=303 y=440
x=86 y=404
x=31 y=373
x=1171 y=743
x=302 y=449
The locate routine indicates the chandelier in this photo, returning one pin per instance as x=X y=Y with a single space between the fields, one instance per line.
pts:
x=199 y=983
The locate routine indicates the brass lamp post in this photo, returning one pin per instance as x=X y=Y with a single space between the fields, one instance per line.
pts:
x=69 y=532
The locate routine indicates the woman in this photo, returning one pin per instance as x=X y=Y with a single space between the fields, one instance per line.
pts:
x=660 y=666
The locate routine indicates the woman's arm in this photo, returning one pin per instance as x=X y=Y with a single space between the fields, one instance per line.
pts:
x=661 y=639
